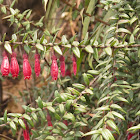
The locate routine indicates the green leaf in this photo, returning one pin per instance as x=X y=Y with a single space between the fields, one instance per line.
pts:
x=86 y=80
x=80 y=86
x=113 y=125
x=14 y=37
x=76 y=51
x=50 y=108
x=107 y=134
x=74 y=91
x=118 y=115
x=122 y=99
x=110 y=29
x=91 y=7
x=89 y=91
x=89 y=49
x=50 y=138
x=14 y=114
x=68 y=104
x=27 y=117
x=1 y=1
x=62 y=125
x=94 y=72
x=117 y=107
x=78 y=124
x=39 y=102
x=133 y=20
x=108 y=50
x=8 y=47
x=69 y=116
x=138 y=113
x=34 y=116
x=103 y=108
x=22 y=123
x=132 y=40
x=12 y=125
x=61 y=108
x=103 y=99
x=57 y=49
x=64 y=40
x=5 y=116
x=92 y=132
x=40 y=47
x=134 y=128
x=123 y=30
x=3 y=9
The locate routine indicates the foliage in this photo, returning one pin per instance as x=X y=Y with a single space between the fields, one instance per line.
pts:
x=104 y=96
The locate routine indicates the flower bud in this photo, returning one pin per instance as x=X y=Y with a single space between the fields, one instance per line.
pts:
x=54 y=68
x=49 y=119
x=14 y=66
x=74 y=59
x=26 y=67
x=37 y=64
x=62 y=65
x=5 y=66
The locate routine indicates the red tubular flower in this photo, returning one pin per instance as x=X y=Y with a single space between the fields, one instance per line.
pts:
x=37 y=64
x=49 y=119
x=14 y=67
x=65 y=122
x=26 y=67
x=54 y=68
x=26 y=131
x=62 y=65
x=68 y=73
x=74 y=59
x=5 y=66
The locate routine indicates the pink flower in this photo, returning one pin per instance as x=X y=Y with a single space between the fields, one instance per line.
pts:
x=5 y=66
x=62 y=65
x=74 y=59
x=14 y=67
x=26 y=67
x=54 y=68
x=37 y=64
x=26 y=131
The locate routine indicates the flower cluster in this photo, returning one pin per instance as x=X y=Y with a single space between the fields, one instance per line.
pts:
x=54 y=67
x=13 y=66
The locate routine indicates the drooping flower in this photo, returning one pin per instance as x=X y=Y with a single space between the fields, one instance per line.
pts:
x=68 y=73
x=49 y=119
x=65 y=122
x=26 y=67
x=5 y=66
x=37 y=64
x=62 y=65
x=26 y=131
x=54 y=68
x=74 y=59
x=14 y=66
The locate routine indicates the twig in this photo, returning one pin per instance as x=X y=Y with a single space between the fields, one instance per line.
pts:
x=79 y=10
x=5 y=137
x=81 y=46
x=20 y=133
